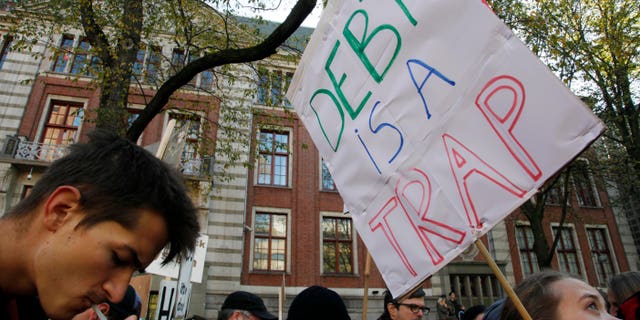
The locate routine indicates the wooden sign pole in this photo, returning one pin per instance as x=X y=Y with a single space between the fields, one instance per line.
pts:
x=503 y=281
x=367 y=273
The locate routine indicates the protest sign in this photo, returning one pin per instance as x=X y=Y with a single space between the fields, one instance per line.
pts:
x=435 y=122
x=172 y=269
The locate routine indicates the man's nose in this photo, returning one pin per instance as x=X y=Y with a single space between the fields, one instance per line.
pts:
x=116 y=285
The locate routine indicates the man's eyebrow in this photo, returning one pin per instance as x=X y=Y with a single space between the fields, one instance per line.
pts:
x=597 y=297
x=136 y=259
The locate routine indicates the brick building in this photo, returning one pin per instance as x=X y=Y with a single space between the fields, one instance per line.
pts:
x=280 y=220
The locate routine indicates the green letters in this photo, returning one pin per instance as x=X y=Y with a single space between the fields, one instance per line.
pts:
x=359 y=46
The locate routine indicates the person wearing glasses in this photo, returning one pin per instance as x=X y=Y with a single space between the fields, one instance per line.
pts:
x=242 y=305
x=410 y=308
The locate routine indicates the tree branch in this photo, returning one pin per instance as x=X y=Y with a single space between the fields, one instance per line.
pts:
x=260 y=51
x=94 y=33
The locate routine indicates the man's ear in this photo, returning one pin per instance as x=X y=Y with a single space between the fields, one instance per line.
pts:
x=391 y=308
x=60 y=205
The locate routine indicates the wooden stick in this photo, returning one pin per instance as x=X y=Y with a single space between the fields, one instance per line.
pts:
x=281 y=297
x=503 y=281
x=367 y=273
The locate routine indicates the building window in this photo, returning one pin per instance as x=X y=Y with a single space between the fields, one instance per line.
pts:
x=270 y=242
x=272 y=87
x=327 y=181
x=64 y=54
x=6 y=44
x=528 y=258
x=146 y=68
x=190 y=158
x=273 y=160
x=79 y=64
x=62 y=123
x=555 y=194
x=585 y=188
x=153 y=64
x=138 y=64
x=206 y=80
x=337 y=245
x=600 y=255
x=567 y=252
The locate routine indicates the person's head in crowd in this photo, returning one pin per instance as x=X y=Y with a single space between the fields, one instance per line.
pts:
x=131 y=305
x=556 y=296
x=452 y=296
x=318 y=303
x=474 y=313
x=96 y=215
x=494 y=311
x=411 y=307
x=442 y=300
x=624 y=295
x=243 y=305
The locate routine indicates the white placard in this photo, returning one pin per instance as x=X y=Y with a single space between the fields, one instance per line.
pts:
x=172 y=269
x=435 y=122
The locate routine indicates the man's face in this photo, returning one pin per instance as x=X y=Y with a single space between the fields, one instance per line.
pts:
x=403 y=310
x=452 y=296
x=76 y=268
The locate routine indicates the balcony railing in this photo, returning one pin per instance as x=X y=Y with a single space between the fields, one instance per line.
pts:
x=19 y=148
x=29 y=150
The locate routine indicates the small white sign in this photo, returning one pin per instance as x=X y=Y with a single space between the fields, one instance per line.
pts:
x=172 y=269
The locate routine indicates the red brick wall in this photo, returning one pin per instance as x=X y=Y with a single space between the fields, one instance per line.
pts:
x=306 y=201
x=47 y=85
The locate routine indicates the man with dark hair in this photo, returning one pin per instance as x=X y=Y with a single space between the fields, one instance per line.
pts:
x=457 y=306
x=242 y=305
x=98 y=214
x=409 y=308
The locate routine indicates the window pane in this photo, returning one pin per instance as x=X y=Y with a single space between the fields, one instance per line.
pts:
x=344 y=229
x=264 y=170
x=277 y=254
x=263 y=85
x=62 y=57
x=327 y=180
x=328 y=229
x=262 y=224
x=153 y=65
x=261 y=254
x=4 y=51
x=206 y=79
x=279 y=226
x=328 y=257
x=345 y=257
x=282 y=142
x=80 y=60
x=276 y=87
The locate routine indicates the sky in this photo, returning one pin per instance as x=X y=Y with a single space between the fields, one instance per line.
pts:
x=283 y=10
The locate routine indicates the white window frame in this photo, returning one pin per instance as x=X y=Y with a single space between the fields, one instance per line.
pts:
x=520 y=223
x=579 y=254
x=284 y=70
x=289 y=150
x=284 y=211
x=614 y=259
x=46 y=109
x=592 y=183
x=354 y=242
